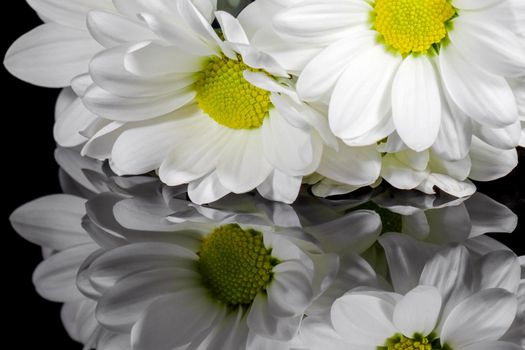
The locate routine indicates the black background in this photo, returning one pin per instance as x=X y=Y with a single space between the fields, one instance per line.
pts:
x=29 y=172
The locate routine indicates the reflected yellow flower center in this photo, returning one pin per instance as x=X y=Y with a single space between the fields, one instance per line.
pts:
x=235 y=265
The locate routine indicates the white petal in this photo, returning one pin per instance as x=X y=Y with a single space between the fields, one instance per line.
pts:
x=361 y=98
x=114 y=107
x=280 y=187
x=262 y=322
x=499 y=269
x=485 y=316
x=111 y=29
x=293 y=151
x=290 y=292
x=321 y=22
x=494 y=48
x=492 y=345
x=450 y=272
x=55 y=277
x=489 y=163
x=101 y=143
x=363 y=319
x=319 y=335
x=351 y=165
x=52 y=221
x=79 y=320
x=474 y=4
x=207 y=189
x=168 y=60
x=175 y=320
x=485 y=97
x=502 y=138
x=122 y=305
x=69 y=13
x=196 y=155
x=72 y=120
x=457 y=188
x=455 y=132
x=319 y=76
x=406 y=258
x=242 y=166
x=50 y=55
x=416 y=103
x=418 y=311
x=231 y=28
x=487 y=215
x=399 y=174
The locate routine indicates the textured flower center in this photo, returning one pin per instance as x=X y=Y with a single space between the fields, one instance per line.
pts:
x=228 y=98
x=400 y=342
x=235 y=265
x=412 y=26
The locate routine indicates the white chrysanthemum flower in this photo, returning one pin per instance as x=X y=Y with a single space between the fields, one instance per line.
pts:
x=218 y=114
x=222 y=286
x=456 y=305
x=434 y=71
x=55 y=223
x=425 y=171
x=54 y=54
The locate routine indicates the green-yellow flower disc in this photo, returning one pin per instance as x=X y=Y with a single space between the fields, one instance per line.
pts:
x=228 y=98
x=400 y=342
x=235 y=265
x=412 y=26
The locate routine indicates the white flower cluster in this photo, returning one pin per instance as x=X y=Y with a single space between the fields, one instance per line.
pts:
x=139 y=267
x=424 y=94
x=187 y=135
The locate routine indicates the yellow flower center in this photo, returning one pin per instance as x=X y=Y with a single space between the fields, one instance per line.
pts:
x=228 y=98
x=419 y=342
x=235 y=265
x=412 y=26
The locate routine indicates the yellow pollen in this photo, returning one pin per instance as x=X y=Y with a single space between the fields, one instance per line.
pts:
x=412 y=26
x=235 y=265
x=228 y=98
x=400 y=342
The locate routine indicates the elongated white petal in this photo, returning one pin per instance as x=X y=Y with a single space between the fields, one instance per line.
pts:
x=51 y=55
x=280 y=187
x=361 y=98
x=416 y=103
x=207 y=189
x=493 y=47
x=71 y=120
x=484 y=97
x=485 y=316
x=52 y=221
x=401 y=175
x=69 y=13
x=487 y=215
x=502 y=138
x=499 y=269
x=231 y=28
x=321 y=22
x=363 y=319
x=111 y=29
x=418 y=311
x=320 y=75
x=175 y=320
x=490 y=163
x=474 y=4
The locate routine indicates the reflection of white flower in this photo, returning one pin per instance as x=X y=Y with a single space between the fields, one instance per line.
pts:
x=434 y=71
x=219 y=114
x=455 y=306
x=54 y=222
x=224 y=286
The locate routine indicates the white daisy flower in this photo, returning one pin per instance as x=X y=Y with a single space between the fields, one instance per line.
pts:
x=434 y=71
x=222 y=286
x=455 y=306
x=427 y=170
x=54 y=55
x=222 y=116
